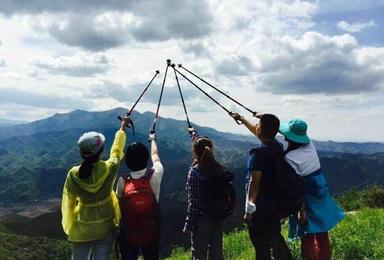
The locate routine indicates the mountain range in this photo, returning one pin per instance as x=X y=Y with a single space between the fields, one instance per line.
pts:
x=35 y=158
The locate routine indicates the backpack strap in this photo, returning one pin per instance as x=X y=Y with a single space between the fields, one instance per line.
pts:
x=252 y=150
x=148 y=174
x=127 y=177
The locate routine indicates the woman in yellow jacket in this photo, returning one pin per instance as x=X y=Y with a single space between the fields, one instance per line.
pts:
x=90 y=209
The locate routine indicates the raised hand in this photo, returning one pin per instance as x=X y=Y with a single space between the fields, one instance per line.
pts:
x=152 y=137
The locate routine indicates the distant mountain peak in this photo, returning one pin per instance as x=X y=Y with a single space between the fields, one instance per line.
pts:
x=107 y=119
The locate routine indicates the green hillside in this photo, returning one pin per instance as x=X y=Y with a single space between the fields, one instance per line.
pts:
x=35 y=159
x=358 y=236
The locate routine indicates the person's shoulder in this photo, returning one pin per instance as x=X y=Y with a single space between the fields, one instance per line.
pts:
x=157 y=164
x=74 y=170
x=157 y=168
x=194 y=170
x=122 y=178
x=258 y=150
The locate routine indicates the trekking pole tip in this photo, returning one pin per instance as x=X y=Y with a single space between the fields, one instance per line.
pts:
x=180 y=65
x=173 y=65
x=169 y=62
x=157 y=71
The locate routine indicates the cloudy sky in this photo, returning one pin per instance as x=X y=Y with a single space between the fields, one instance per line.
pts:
x=322 y=61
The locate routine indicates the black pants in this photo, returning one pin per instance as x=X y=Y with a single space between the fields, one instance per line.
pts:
x=265 y=234
x=207 y=239
x=129 y=252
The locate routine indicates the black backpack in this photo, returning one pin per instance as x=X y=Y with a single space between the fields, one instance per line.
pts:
x=220 y=195
x=288 y=189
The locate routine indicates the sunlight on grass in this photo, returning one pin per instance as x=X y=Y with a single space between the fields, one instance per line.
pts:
x=358 y=236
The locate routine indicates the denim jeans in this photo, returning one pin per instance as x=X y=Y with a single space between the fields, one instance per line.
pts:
x=100 y=249
x=207 y=239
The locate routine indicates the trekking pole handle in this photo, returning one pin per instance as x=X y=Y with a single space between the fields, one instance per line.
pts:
x=256 y=114
x=150 y=133
x=237 y=120
x=130 y=121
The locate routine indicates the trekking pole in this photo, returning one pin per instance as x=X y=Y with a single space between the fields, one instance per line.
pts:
x=214 y=100
x=161 y=96
x=218 y=90
x=137 y=101
x=181 y=96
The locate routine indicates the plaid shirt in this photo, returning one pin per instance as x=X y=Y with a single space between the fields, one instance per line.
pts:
x=193 y=188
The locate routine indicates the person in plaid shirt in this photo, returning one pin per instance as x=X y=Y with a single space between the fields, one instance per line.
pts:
x=206 y=234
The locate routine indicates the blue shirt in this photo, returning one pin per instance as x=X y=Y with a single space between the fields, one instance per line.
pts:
x=263 y=159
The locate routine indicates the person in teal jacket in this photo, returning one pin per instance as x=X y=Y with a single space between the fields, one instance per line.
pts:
x=90 y=209
x=320 y=212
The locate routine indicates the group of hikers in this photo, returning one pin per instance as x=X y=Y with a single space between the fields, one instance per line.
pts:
x=94 y=214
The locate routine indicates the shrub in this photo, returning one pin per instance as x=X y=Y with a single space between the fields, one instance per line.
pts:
x=374 y=197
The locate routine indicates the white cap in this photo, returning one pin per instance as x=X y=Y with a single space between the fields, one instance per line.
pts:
x=90 y=143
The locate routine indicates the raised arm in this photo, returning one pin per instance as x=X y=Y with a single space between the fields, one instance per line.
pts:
x=251 y=127
x=193 y=133
x=117 y=149
x=154 y=151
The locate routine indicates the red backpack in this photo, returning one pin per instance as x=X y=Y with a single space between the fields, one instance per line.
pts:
x=140 y=222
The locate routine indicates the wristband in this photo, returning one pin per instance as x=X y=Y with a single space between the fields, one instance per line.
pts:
x=250 y=207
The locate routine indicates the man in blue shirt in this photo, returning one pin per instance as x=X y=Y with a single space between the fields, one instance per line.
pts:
x=263 y=224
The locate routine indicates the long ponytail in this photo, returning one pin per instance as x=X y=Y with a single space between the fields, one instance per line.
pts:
x=86 y=166
x=203 y=155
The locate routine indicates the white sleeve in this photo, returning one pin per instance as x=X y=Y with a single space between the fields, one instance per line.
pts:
x=120 y=187
x=156 y=178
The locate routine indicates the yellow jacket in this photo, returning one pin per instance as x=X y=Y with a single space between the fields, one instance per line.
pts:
x=90 y=209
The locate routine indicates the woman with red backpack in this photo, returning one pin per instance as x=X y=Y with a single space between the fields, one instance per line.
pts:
x=138 y=194
x=90 y=209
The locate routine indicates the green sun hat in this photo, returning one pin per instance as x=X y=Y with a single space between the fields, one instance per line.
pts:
x=296 y=131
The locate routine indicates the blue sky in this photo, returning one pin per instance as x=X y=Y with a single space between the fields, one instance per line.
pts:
x=322 y=61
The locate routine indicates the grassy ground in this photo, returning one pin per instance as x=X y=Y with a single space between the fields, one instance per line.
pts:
x=359 y=236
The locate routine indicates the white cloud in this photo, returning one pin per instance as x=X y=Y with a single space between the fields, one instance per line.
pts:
x=340 y=6
x=107 y=26
x=36 y=99
x=3 y=63
x=79 y=65
x=266 y=54
x=355 y=27
x=316 y=63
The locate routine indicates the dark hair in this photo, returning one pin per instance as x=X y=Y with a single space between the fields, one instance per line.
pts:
x=269 y=125
x=86 y=166
x=292 y=145
x=203 y=155
x=199 y=146
x=136 y=156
